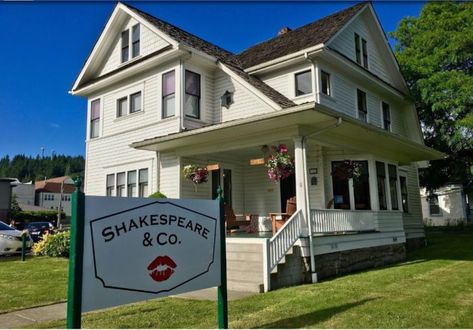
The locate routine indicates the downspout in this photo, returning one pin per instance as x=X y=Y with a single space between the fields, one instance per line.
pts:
x=306 y=180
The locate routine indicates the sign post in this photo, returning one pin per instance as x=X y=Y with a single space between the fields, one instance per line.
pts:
x=222 y=289
x=74 y=294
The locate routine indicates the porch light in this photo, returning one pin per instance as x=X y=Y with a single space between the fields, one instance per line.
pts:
x=257 y=161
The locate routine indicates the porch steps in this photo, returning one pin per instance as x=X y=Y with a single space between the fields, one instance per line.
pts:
x=245 y=266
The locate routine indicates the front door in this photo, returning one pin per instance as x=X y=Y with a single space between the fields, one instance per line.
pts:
x=227 y=185
x=287 y=190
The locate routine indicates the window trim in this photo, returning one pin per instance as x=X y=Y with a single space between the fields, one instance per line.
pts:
x=123 y=192
x=330 y=90
x=358 y=56
x=122 y=47
x=429 y=200
x=133 y=42
x=130 y=103
x=128 y=93
x=383 y=119
x=99 y=100
x=364 y=53
x=164 y=96
x=198 y=96
x=365 y=105
x=121 y=99
x=305 y=70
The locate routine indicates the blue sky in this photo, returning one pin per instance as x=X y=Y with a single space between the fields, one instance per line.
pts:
x=44 y=45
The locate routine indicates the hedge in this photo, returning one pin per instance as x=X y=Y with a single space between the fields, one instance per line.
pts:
x=35 y=216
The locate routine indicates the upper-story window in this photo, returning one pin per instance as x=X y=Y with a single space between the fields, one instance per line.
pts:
x=135 y=40
x=361 y=51
x=129 y=104
x=325 y=78
x=303 y=82
x=135 y=43
x=169 y=94
x=94 y=118
x=386 y=116
x=125 y=45
x=192 y=95
x=362 y=107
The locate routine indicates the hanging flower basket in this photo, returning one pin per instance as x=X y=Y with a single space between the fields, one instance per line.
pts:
x=196 y=174
x=346 y=170
x=280 y=164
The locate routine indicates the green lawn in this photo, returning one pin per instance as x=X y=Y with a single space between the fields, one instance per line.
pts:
x=37 y=281
x=433 y=289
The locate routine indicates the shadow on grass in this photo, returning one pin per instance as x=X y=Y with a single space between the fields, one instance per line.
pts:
x=313 y=318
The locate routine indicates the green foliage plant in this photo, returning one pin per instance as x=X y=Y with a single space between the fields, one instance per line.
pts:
x=157 y=194
x=53 y=245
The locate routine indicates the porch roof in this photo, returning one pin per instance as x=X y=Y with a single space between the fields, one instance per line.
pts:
x=312 y=120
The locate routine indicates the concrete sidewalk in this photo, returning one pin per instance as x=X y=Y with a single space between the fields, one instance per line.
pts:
x=30 y=316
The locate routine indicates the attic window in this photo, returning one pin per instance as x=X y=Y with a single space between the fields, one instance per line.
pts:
x=227 y=99
x=125 y=45
x=135 y=39
x=135 y=43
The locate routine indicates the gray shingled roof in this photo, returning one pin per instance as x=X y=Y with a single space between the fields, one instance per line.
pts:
x=304 y=37
x=224 y=56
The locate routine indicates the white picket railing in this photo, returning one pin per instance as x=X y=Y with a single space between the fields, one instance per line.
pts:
x=284 y=239
x=329 y=221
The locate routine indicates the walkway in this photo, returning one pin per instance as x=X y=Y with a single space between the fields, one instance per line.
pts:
x=30 y=316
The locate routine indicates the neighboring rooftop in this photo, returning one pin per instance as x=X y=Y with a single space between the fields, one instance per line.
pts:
x=298 y=39
x=53 y=185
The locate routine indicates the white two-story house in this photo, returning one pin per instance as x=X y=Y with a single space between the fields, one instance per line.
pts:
x=160 y=98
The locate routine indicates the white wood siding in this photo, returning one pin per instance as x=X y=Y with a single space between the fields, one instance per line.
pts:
x=315 y=161
x=149 y=42
x=261 y=195
x=345 y=44
x=169 y=171
x=245 y=103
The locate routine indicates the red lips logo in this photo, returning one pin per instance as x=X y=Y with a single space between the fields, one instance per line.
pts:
x=161 y=268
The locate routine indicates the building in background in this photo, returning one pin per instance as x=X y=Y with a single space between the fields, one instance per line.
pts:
x=55 y=194
x=5 y=198
x=24 y=193
x=446 y=206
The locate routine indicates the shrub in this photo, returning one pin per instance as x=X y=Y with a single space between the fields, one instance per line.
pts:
x=53 y=245
x=34 y=216
x=157 y=194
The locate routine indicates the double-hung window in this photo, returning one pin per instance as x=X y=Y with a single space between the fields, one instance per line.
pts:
x=392 y=172
x=351 y=193
x=303 y=82
x=110 y=184
x=169 y=94
x=386 y=116
x=434 y=207
x=122 y=105
x=94 y=118
x=131 y=189
x=381 y=178
x=361 y=51
x=361 y=187
x=362 y=107
x=341 y=190
x=125 y=45
x=121 y=184
x=325 y=77
x=143 y=182
x=135 y=102
x=192 y=94
x=135 y=40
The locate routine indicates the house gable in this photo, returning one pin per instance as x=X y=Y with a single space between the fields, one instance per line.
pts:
x=381 y=60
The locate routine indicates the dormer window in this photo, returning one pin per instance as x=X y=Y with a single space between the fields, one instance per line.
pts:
x=227 y=99
x=135 y=43
x=303 y=81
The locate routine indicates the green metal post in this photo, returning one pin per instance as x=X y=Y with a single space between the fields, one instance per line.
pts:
x=23 y=246
x=222 y=289
x=74 y=293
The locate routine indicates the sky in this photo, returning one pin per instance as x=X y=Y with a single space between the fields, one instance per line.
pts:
x=44 y=45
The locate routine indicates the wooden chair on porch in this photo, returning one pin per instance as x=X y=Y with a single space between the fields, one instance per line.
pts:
x=279 y=219
x=235 y=223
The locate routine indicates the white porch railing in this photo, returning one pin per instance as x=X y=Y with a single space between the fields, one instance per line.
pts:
x=329 y=221
x=284 y=239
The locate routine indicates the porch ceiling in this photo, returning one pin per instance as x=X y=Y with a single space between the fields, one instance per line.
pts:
x=312 y=120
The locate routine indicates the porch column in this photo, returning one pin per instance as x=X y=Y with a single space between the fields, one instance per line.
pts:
x=301 y=182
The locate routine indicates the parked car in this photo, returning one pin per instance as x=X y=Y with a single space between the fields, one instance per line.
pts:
x=38 y=229
x=11 y=240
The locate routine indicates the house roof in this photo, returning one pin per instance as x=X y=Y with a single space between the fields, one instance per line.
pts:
x=222 y=55
x=53 y=185
x=311 y=34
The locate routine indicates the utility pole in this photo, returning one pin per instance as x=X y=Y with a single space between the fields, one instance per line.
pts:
x=58 y=225
x=42 y=152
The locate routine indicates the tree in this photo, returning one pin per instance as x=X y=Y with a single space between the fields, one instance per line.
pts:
x=435 y=54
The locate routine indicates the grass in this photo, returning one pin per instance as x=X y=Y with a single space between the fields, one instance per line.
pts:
x=37 y=281
x=432 y=289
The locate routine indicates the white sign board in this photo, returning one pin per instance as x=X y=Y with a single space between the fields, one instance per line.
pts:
x=139 y=248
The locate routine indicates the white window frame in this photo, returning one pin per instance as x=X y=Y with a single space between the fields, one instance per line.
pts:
x=312 y=79
x=390 y=117
x=330 y=89
x=129 y=28
x=356 y=105
x=89 y=116
x=126 y=93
